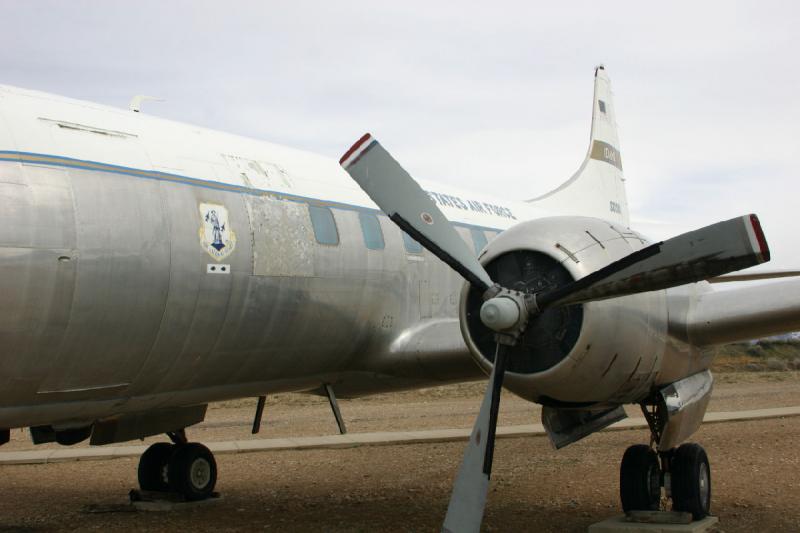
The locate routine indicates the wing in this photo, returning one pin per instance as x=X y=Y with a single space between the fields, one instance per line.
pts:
x=719 y=317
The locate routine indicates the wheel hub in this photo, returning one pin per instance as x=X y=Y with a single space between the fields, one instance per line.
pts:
x=200 y=473
x=704 y=485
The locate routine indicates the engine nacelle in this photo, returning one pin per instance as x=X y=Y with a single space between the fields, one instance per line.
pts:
x=597 y=352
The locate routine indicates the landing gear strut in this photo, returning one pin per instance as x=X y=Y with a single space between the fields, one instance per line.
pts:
x=184 y=468
x=684 y=473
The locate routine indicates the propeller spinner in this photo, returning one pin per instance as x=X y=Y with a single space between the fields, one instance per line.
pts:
x=701 y=254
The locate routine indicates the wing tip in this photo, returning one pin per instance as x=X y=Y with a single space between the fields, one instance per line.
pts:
x=348 y=155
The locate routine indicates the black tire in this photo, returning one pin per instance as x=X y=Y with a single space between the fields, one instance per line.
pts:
x=640 y=479
x=691 y=480
x=192 y=471
x=153 y=467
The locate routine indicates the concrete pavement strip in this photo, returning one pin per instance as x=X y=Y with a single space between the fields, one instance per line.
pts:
x=351 y=440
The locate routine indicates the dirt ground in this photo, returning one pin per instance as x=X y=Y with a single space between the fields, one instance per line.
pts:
x=755 y=469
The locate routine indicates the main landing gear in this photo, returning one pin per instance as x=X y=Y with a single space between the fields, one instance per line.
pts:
x=683 y=472
x=180 y=467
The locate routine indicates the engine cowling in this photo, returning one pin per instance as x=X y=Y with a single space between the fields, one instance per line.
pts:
x=606 y=351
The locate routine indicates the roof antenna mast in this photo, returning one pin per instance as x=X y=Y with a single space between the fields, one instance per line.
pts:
x=136 y=101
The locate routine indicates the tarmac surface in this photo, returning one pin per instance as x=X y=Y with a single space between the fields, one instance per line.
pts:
x=405 y=487
x=353 y=440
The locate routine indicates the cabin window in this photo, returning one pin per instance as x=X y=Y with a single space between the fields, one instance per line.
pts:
x=478 y=239
x=602 y=105
x=412 y=246
x=371 y=230
x=324 y=226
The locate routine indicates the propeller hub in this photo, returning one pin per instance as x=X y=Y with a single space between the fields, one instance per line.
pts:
x=500 y=313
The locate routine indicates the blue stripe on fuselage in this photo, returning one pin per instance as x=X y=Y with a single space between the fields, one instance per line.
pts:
x=69 y=162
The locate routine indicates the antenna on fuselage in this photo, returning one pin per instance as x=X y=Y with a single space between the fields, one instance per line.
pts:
x=136 y=101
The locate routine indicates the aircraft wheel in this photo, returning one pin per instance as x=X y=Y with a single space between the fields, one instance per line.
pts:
x=192 y=471
x=153 y=467
x=691 y=480
x=640 y=479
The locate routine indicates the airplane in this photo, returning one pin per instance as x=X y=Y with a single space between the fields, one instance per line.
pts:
x=149 y=268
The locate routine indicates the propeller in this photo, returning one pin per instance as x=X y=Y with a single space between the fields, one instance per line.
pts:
x=400 y=197
x=694 y=256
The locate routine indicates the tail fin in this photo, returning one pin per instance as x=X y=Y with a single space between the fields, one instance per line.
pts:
x=598 y=187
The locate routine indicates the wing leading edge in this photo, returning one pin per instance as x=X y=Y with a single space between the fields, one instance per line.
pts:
x=720 y=317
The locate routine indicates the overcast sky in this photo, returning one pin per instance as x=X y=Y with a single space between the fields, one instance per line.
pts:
x=493 y=96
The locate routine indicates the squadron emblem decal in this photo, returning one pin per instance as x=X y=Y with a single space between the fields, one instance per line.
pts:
x=216 y=235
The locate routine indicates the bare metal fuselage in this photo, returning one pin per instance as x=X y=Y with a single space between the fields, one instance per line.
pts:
x=111 y=305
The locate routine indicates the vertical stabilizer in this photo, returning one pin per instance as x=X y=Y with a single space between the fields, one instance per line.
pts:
x=597 y=189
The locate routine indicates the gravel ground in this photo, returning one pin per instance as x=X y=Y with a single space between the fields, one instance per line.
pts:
x=405 y=488
x=453 y=406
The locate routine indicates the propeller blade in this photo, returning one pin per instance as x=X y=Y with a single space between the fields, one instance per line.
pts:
x=468 y=499
x=400 y=197
x=694 y=256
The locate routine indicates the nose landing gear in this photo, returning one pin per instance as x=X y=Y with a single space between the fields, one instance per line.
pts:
x=192 y=471
x=153 y=467
x=187 y=469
